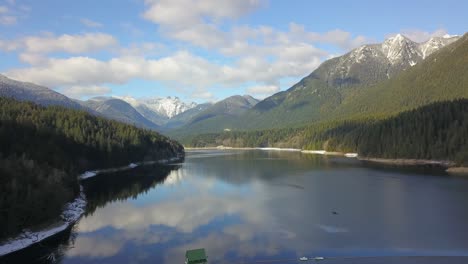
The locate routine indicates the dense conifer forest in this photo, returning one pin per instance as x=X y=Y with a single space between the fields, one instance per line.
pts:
x=43 y=149
x=437 y=131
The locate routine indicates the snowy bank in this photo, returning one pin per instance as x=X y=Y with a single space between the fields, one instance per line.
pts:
x=280 y=149
x=411 y=162
x=89 y=174
x=71 y=213
x=331 y=153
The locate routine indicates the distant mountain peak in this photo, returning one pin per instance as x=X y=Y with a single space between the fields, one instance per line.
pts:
x=167 y=107
x=371 y=63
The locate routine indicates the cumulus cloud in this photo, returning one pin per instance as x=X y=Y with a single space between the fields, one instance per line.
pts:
x=3 y=9
x=261 y=55
x=11 y=13
x=181 y=13
x=49 y=43
x=262 y=91
x=69 y=43
x=146 y=49
x=90 y=23
x=82 y=91
x=7 y=20
x=181 y=67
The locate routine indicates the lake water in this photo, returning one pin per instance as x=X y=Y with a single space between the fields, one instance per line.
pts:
x=265 y=207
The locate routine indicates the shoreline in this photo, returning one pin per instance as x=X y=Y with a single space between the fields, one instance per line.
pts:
x=458 y=171
x=71 y=214
x=317 y=152
x=409 y=162
x=450 y=166
x=92 y=173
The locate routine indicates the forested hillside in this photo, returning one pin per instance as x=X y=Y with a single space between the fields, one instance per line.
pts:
x=437 y=131
x=324 y=96
x=44 y=148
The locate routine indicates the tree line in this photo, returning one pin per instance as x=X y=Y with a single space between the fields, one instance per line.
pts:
x=436 y=131
x=43 y=149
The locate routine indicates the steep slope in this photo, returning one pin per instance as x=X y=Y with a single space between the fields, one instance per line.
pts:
x=442 y=76
x=373 y=80
x=25 y=91
x=185 y=117
x=370 y=64
x=119 y=110
x=321 y=93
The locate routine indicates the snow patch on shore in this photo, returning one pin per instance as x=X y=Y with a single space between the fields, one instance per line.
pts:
x=320 y=152
x=90 y=174
x=280 y=149
x=71 y=213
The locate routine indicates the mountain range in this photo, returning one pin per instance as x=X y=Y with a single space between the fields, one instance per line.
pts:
x=159 y=114
x=25 y=91
x=367 y=82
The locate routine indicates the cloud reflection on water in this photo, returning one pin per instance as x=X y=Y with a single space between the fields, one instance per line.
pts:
x=269 y=205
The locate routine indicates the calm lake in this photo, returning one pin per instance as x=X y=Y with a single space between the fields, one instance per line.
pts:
x=265 y=207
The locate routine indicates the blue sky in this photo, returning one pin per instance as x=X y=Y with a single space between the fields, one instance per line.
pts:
x=199 y=50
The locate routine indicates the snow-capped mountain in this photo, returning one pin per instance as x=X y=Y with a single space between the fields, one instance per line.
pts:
x=369 y=64
x=169 y=106
x=159 y=110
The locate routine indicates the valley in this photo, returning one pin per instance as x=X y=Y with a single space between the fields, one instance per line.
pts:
x=160 y=127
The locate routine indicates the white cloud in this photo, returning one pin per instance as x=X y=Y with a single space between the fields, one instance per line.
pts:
x=420 y=35
x=49 y=43
x=146 y=49
x=82 y=91
x=9 y=15
x=32 y=58
x=8 y=20
x=262 y=91
x=69 y=43
x=205 y=95
x=202 y=35
x=181 y=68
x=90 y=23
x=8 y=46
x=181 y=13
x=3 y=9
x=262 y=55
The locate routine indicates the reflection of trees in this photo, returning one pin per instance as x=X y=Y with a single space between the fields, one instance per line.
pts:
x=100 y=190
x=247 y=166
x=122 y=185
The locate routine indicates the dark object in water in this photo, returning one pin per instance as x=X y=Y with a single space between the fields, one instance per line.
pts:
x=196 y=256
